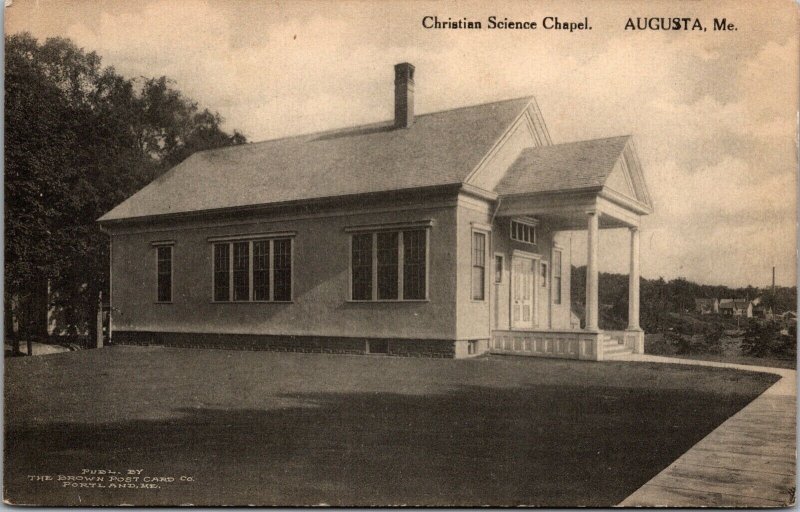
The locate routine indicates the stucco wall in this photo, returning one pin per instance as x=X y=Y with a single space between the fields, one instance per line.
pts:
x=320 y=304
x=472 y=321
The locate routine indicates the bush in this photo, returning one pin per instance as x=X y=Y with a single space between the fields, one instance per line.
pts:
x=766 y=339
x=712 y=338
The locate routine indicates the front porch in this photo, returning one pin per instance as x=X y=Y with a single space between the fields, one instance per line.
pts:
x=591 y=342
x=612 y=195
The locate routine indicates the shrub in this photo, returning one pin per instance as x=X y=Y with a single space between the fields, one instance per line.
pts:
x=764 y=339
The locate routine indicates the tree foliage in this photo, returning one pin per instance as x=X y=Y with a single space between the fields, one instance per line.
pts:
x=80 y=138
x=769 y=339
x=660 y=299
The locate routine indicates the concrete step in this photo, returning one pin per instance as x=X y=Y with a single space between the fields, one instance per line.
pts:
x=617 y=355
x=619 y=349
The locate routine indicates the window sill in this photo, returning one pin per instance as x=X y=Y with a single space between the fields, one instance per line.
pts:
x=385 y=301
x=163 y=302
x=252 y=302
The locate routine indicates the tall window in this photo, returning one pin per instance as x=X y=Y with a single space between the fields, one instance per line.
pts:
x=414 y=256
x=478 y=266
x=544 y=274
x=498 y=268
x=257 y=270
x=362 y=266
x=241 y=271
x=557 y=276
x=523 y=232
x=222 y=272
x=164 y=270
x=261 y=278
x=283 y=270
x=388 y=242
x=389 y=265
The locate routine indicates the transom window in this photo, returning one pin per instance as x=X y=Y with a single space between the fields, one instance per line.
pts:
x=523 y=232
x=389 y=265
x=253 y=271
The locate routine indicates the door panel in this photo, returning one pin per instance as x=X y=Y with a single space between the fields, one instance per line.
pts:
x=523 y=298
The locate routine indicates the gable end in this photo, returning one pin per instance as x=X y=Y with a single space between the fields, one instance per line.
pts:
x=528 y=130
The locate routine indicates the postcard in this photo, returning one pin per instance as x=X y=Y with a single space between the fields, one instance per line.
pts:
x=393 y=253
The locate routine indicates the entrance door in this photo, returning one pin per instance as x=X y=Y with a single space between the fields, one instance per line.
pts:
x=523 y=298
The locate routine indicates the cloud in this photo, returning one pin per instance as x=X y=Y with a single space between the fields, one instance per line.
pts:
x=713 y=114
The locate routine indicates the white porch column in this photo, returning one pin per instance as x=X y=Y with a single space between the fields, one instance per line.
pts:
x=592 y=298
x=633 y=282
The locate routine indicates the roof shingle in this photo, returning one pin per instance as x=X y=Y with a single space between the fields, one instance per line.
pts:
x=574 y=165
x=440 y=148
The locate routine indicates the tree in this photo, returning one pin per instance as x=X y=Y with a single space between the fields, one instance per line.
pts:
x=80 y=138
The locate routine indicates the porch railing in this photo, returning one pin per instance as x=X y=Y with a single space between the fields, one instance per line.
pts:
x=567 y=344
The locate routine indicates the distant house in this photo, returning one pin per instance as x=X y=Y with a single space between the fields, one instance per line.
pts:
x=430 y=235
x=762 y=311
x=736 y=307
x=706 y=306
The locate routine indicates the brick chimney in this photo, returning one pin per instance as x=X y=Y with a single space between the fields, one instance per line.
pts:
x=403 y=95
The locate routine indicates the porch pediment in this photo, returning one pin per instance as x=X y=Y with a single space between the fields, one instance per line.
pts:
x=579 y=173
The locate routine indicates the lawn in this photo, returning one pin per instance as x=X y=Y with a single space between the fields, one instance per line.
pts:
x=270 y=428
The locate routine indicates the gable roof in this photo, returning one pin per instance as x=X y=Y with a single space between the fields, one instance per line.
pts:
x=440 y=148
x=570 y=166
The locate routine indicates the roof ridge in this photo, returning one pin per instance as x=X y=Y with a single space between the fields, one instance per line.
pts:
x=509 y=100
x=627 y=136
x=374 y=124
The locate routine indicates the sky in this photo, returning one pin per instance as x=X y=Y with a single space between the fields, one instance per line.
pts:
x=713 y=114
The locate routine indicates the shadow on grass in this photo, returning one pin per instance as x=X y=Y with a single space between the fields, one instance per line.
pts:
x=538 y=445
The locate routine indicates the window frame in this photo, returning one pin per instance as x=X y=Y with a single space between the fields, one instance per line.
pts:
x=168 y=244
x=502 y=257
x=532 y=224
x=472 y=266
x=556 y=272
x=373 y=232
x=251 y=240
x=543 y=274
